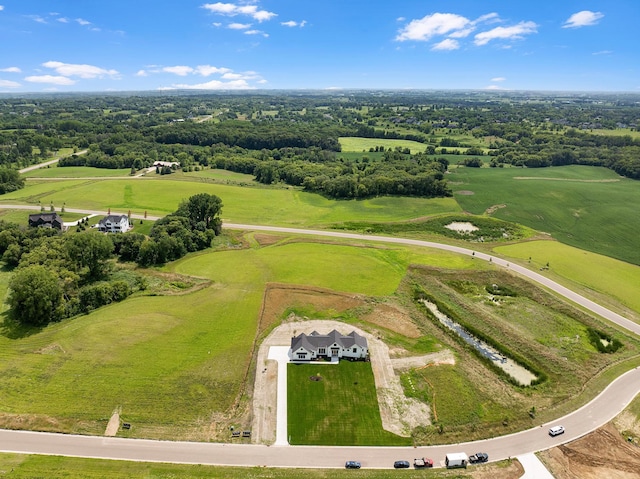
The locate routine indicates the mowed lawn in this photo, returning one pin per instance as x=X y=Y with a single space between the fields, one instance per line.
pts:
x=339 y=410
x=75 y=172
x=587 y=207
x=242 y=204
x=159 y=362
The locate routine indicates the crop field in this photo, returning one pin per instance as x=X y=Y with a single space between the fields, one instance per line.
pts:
x=253 y=205
x=358 y=144
x=345 y=406
x=587 y=207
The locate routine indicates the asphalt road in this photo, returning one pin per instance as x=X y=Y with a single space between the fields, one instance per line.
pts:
x=601 y=410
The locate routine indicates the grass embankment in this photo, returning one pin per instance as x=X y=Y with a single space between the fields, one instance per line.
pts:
x=18 y=466
x=599 y=275
x=587 y=207
x=358 y=144
x=339 y=409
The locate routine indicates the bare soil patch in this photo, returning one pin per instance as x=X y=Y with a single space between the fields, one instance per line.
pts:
x=602 y=454
x=492 y=209
x=464 y=192
x=266 y=239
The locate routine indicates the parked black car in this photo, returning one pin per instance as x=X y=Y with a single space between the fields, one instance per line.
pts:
x=352 y=465
x=478 y=457
x=401 y=464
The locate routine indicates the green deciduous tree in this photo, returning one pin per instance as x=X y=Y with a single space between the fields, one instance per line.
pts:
x=36 y=296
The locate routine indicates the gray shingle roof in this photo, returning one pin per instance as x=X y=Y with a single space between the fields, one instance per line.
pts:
x=316 y=340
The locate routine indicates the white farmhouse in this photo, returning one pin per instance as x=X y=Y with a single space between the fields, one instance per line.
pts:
x=328 y=346
x=114 y=224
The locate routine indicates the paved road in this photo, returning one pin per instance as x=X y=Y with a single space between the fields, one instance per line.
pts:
x=601 y=410
x=47 y=163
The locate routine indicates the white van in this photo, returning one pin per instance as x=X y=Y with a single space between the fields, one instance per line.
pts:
x=556 y=430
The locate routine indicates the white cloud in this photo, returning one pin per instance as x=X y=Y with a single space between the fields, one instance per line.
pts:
x=256 y=32
x=603 y=52
x=514 y=32
x=83 y=71
x=63 y=20
x=446 y=44
x=493 y=87
x=207 y=70
x=11 y=70
x=232 y=9
x=1 y=7
x=432 y=25
x=36 y=18
x=216 y=24
x=239 y=26
x=54 y=80
x=497 y=79
x=141 y=73
x=180 y=70
x=83 y=22
x=214 y=85
x=9 y=83
x=292 y=23
x=584 y=18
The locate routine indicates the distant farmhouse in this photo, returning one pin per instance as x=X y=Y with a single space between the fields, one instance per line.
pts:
x=328 y=346
x=114 y=224
x=46 y=220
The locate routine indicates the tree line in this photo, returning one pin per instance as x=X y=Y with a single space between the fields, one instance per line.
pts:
x=59 y=275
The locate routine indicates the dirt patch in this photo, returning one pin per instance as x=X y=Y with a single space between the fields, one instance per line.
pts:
x=602 y=454
x=393 y=318
x=266 y=240
x=114 y=424
x=279 y=297
x=464 y=193
x=492 y=209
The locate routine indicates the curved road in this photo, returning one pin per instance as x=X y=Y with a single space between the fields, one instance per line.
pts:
x=593 y=415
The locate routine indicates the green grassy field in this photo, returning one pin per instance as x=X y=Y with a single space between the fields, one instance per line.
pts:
x=222 y=175
x=56 y=467
x=163 y=364
x=607 y=277
x=588 y=207
x=339 y=410
x=277 y=206
x=75 y=172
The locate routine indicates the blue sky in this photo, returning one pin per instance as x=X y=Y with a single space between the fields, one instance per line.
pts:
x=118 y=45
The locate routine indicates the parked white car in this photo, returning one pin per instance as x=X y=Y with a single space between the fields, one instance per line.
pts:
x=556 y=430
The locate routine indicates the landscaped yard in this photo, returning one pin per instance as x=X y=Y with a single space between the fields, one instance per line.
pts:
x=341 y=408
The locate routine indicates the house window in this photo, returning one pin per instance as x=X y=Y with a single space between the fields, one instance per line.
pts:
x=355 y=350
x=322 y=351
x=302 y=355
